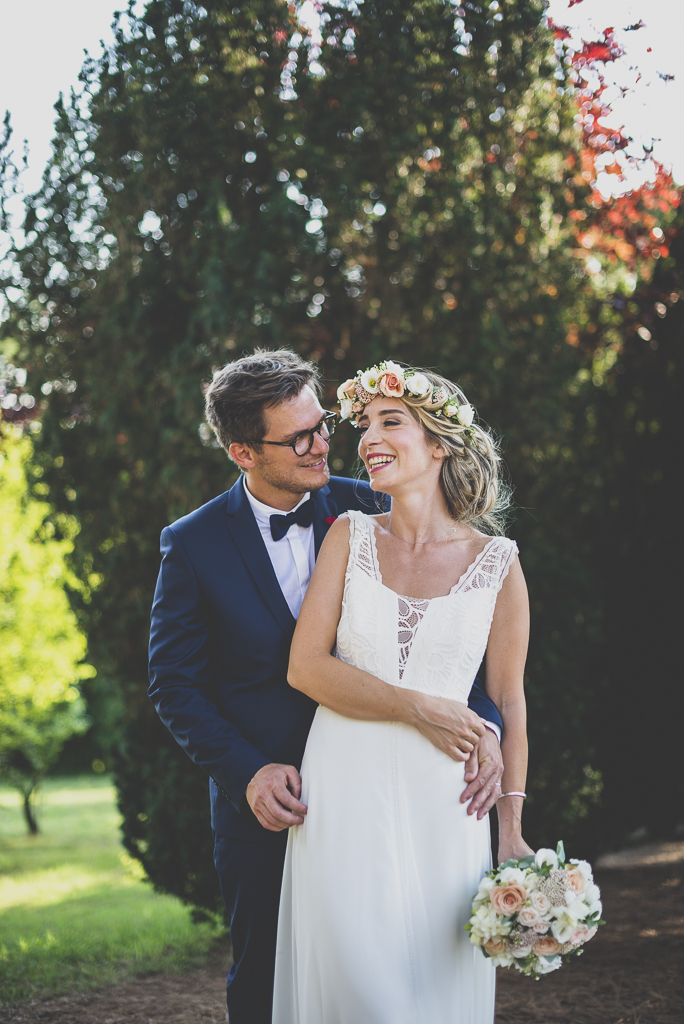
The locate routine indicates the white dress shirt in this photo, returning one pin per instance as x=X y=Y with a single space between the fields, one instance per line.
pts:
x=293 y=557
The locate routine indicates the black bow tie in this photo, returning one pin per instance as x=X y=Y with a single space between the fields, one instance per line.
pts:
x=303 y=516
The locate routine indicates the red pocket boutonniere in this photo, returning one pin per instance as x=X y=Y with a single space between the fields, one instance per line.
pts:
x=330 y=520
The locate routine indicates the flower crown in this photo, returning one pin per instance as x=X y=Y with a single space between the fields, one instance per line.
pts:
x=393 y=381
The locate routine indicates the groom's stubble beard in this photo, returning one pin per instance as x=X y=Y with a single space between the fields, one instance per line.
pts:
x=292 y=479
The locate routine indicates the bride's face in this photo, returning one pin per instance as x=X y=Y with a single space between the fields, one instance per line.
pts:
x=394 y=448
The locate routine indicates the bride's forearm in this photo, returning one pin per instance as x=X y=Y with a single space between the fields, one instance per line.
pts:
x=514 y=753
x=447 y=724
x=350 y=691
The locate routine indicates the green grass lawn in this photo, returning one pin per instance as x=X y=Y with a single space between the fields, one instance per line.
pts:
x=74 y=910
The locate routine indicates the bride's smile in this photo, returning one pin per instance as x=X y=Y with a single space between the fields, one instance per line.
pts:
x=393 y=446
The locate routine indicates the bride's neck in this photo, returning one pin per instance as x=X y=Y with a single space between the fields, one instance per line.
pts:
x=418 y=518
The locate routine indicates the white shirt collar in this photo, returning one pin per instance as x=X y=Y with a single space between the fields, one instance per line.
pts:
x=263 y=513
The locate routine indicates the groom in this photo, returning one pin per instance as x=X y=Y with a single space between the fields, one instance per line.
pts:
x=232 y=580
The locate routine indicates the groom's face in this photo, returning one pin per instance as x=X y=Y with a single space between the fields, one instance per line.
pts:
x=278 y=467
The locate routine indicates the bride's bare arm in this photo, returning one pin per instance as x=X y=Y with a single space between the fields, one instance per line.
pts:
x=350 y=691
x=506 y=654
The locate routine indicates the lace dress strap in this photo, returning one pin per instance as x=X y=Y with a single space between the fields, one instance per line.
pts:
x=490 y=570
x=362 y=550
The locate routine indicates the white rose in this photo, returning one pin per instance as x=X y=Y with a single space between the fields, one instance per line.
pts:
x=486 y=885
x=512 y=876
x=418 y=385
x=369 y=380
x=546 y=966
x=465 y=416
x=503 y=960
x=346 y=408
x=546 y=857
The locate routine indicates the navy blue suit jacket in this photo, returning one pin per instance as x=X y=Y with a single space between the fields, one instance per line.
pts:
x=220 y=644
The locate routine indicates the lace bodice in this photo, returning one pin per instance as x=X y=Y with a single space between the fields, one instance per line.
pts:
x=435 y=645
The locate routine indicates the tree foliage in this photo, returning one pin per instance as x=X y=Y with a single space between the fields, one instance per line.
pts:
x=406 y=187
x=42 y=647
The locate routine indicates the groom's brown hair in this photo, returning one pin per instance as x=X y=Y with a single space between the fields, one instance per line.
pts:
x=239 y=393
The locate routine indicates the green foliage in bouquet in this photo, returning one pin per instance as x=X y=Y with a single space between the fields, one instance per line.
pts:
x=401 y=190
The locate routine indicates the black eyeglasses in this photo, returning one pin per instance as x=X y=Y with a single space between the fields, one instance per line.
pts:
x=303 y=443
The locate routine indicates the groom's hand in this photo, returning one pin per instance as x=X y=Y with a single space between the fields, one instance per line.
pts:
x=483 y=773
x=273 y=794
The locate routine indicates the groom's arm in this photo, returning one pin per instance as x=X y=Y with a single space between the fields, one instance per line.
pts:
x=180 y=674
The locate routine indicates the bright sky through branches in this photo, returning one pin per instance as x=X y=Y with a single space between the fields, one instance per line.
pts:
x=42 y=43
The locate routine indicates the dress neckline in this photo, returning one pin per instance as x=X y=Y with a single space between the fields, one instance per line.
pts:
x=440 y=597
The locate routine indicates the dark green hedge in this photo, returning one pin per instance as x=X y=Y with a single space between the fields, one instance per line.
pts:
x=439 y=164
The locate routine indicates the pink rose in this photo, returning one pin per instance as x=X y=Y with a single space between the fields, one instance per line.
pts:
x=508 y=899
x=582 y=934
x=547 y=946
x=541 y=927
x=528 y=917
x=357 y=407
x=390 y=385
x=495 y=946
x=540 y=902
x=577 y=881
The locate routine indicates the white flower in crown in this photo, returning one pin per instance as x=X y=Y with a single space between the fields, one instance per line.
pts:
x=389 y=367
x=451 y=409
x=418 y=384
x=369 y=380
x=465 y=415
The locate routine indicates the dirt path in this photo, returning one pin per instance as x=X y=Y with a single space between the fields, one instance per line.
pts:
x=631 y=973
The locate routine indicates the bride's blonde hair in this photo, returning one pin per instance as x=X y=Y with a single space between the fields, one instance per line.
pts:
x=472 y=471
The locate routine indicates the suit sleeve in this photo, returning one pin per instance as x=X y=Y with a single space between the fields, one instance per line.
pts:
x=482 y=705
x=179 y=669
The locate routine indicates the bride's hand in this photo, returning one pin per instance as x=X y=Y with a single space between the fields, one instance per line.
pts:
x=513 y=848
x=448 y=724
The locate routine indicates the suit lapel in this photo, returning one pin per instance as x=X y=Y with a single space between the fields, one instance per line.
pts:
x=251 y=548
x=325 y=509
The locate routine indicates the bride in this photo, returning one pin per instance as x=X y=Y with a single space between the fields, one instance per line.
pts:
x=379 y=879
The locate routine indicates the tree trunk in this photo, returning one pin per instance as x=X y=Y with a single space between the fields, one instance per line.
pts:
x=31 y=822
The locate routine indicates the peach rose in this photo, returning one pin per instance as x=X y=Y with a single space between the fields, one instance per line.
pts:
x=508 y=899
x=576 y=881
x=346 y=390
x=495 y=946
x=528 y=917
x=547 y=946
x=540 y=902
x=390 y=385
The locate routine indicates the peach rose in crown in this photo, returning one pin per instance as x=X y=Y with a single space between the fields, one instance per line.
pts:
x=548 y=946
x=508 y=899
x=495 y=946
x=576 y=881
x=390 y=384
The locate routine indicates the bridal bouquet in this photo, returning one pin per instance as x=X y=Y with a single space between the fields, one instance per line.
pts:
x=534 y=913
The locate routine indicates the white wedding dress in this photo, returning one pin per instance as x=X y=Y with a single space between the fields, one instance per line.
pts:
x=379 y=879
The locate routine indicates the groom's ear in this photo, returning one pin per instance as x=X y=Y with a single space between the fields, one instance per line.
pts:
x=242 y=454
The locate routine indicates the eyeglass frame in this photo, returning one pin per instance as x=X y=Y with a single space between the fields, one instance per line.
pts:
x=329 y=420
